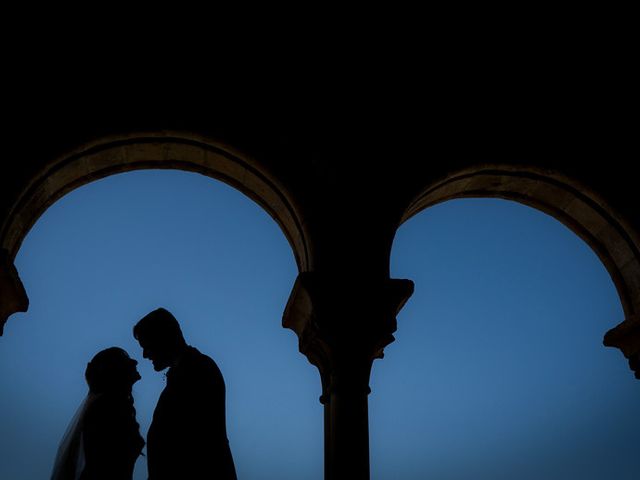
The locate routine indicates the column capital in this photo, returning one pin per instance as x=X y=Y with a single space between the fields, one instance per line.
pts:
x=626 y=337
x=13 y=297
x=344 y=324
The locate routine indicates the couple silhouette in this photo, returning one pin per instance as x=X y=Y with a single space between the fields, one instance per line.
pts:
x=187 y=438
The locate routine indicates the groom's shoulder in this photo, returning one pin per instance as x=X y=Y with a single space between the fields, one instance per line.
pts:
x=201 y=361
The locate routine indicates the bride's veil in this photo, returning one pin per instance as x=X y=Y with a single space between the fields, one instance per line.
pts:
x=70 y=458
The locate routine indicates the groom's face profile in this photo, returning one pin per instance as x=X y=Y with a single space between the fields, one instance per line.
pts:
x=154 y=351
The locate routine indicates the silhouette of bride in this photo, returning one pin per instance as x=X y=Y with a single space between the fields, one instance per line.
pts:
x=103 y=439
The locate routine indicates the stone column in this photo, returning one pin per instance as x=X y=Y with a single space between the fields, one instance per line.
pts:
x=13 y=297
x=342 y=327
x=626 y=337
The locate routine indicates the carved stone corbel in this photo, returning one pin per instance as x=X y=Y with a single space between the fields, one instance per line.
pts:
x=13 y=297
x=334 y=334
x=626 y=337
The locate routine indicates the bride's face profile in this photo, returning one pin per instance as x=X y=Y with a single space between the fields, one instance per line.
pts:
x=111 y=369
x=132 y=370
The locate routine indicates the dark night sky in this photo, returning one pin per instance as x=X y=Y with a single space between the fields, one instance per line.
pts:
x=498 y=369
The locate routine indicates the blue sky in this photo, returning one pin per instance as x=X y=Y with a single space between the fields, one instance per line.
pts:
x=498 y=369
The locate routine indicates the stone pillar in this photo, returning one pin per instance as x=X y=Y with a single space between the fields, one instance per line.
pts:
x=13 y=297
x=626 y=337
x=342 y=327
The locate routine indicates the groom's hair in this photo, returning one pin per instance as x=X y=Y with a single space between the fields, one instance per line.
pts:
x=159 y=324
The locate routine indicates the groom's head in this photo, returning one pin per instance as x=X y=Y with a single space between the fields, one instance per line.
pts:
x=160 y=337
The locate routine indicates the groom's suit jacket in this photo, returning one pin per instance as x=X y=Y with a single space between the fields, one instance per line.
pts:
x=187 y=438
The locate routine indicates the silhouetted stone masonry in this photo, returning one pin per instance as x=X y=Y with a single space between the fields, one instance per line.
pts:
x=339 y=190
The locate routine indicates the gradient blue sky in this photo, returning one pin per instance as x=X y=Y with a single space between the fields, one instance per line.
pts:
x=498 y=369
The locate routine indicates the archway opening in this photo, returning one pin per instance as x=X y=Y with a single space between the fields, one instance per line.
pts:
x=498 y=369
x=107 y=253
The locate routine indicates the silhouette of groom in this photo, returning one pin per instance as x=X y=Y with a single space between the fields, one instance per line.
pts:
x=187 y=438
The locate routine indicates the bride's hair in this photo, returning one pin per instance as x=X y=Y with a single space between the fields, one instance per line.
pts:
x=105 y=372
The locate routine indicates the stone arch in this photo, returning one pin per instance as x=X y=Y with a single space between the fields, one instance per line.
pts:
x=579 y=208
x=162 y=150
